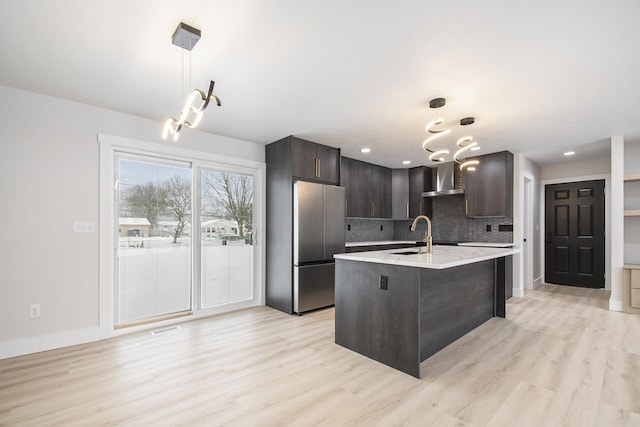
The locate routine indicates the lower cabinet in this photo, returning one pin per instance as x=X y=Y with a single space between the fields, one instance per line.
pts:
x=631 y=288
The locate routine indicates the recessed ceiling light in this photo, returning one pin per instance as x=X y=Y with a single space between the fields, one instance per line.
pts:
x=476 y=148
x=569 y=153
x=365 y=150
x=406 y=162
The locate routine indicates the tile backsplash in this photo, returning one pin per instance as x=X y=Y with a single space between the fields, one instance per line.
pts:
x=368 y=230
x=449 y=224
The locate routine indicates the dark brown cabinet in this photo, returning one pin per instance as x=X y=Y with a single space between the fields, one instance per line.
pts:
x=420 y=179
x=314 y=162
x=489 y=189
x=367 y=189
x=408 y=186
x=290 y=159
x=380 y=192
x=400 y=194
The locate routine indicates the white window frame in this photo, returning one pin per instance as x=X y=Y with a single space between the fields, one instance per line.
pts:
x=110 y=148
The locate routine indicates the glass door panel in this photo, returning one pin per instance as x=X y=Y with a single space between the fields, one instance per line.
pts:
x=226 y=216
x=154 y=239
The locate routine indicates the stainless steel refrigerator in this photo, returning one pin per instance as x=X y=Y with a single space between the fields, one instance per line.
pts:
x=318 y=233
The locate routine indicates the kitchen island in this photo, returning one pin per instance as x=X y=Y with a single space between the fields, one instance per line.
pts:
x=400 y=307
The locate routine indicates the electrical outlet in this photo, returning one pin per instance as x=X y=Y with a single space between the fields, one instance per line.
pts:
x=34 y=311
x=384 y=282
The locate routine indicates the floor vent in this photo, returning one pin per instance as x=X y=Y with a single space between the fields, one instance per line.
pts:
x=165 y=330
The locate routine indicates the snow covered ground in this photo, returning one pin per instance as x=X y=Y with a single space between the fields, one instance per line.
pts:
x=155 y=275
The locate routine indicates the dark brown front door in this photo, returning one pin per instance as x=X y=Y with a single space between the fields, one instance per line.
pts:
x=574 y=226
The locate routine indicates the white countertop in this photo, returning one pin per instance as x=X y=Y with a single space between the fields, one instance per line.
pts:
x=442 y=256
x=412 y=242
x=380 y=242
x=487 y=245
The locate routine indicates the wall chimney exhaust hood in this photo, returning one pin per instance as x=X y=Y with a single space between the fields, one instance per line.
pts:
x=447 y=181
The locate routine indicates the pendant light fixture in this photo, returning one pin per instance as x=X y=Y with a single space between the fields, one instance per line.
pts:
x=186 y=38
x=463 y=144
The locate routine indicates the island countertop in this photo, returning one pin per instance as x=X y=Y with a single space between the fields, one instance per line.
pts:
x=442 y=256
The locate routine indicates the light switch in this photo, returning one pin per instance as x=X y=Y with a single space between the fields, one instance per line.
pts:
x=84 y=226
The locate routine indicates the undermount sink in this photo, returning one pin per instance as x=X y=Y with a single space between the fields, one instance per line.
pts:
x=406 y=253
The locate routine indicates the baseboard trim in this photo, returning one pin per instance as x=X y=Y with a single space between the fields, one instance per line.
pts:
x=537 y=283
x=22 y=346
x=518 y=292
x=615 y=305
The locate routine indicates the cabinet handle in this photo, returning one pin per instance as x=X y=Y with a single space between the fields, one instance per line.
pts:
x=373 y=209
x=346 y=207
x=407 y=210
x=466 y=207
x=317 y=168
x=420 y=208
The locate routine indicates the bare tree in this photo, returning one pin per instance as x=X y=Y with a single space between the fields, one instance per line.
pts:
x=178 y=202
x=234 y=193
x=145 y=201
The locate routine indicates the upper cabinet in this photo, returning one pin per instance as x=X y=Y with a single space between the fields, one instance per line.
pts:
x=489 y=189
x=367 y=189
x=407 y=188
x=314 y=162
x=420 y=180
x=400 y=194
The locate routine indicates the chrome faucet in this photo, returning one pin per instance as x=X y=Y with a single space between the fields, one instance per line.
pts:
x=427 y=235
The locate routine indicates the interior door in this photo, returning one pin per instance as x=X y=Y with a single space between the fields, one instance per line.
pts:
x=574 y=227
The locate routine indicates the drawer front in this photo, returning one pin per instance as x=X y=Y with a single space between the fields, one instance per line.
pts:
x=635 y=298
x=635 y=279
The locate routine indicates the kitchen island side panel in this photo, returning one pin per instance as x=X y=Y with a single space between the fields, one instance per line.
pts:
x=453 y=302
x=380 y=324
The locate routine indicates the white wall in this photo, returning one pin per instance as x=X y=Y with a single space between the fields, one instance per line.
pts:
x=524 y=167
x=50 y=177
x=576 y=168
x=532 y=171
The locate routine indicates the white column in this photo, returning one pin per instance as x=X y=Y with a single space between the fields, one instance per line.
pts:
x=616 y=195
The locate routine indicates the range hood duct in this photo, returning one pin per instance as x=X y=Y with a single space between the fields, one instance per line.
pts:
x=448 y=181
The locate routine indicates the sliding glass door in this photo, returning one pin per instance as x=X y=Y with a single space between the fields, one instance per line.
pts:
x=185 y=238
x=154 y=239
x=226 y=214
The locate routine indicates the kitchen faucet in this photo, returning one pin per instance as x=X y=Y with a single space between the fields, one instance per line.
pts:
x=427 y=235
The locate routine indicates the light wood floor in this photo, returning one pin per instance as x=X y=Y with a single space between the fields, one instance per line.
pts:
x=560 y=358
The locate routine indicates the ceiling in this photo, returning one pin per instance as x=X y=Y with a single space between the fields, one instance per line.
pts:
x=539 y=78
